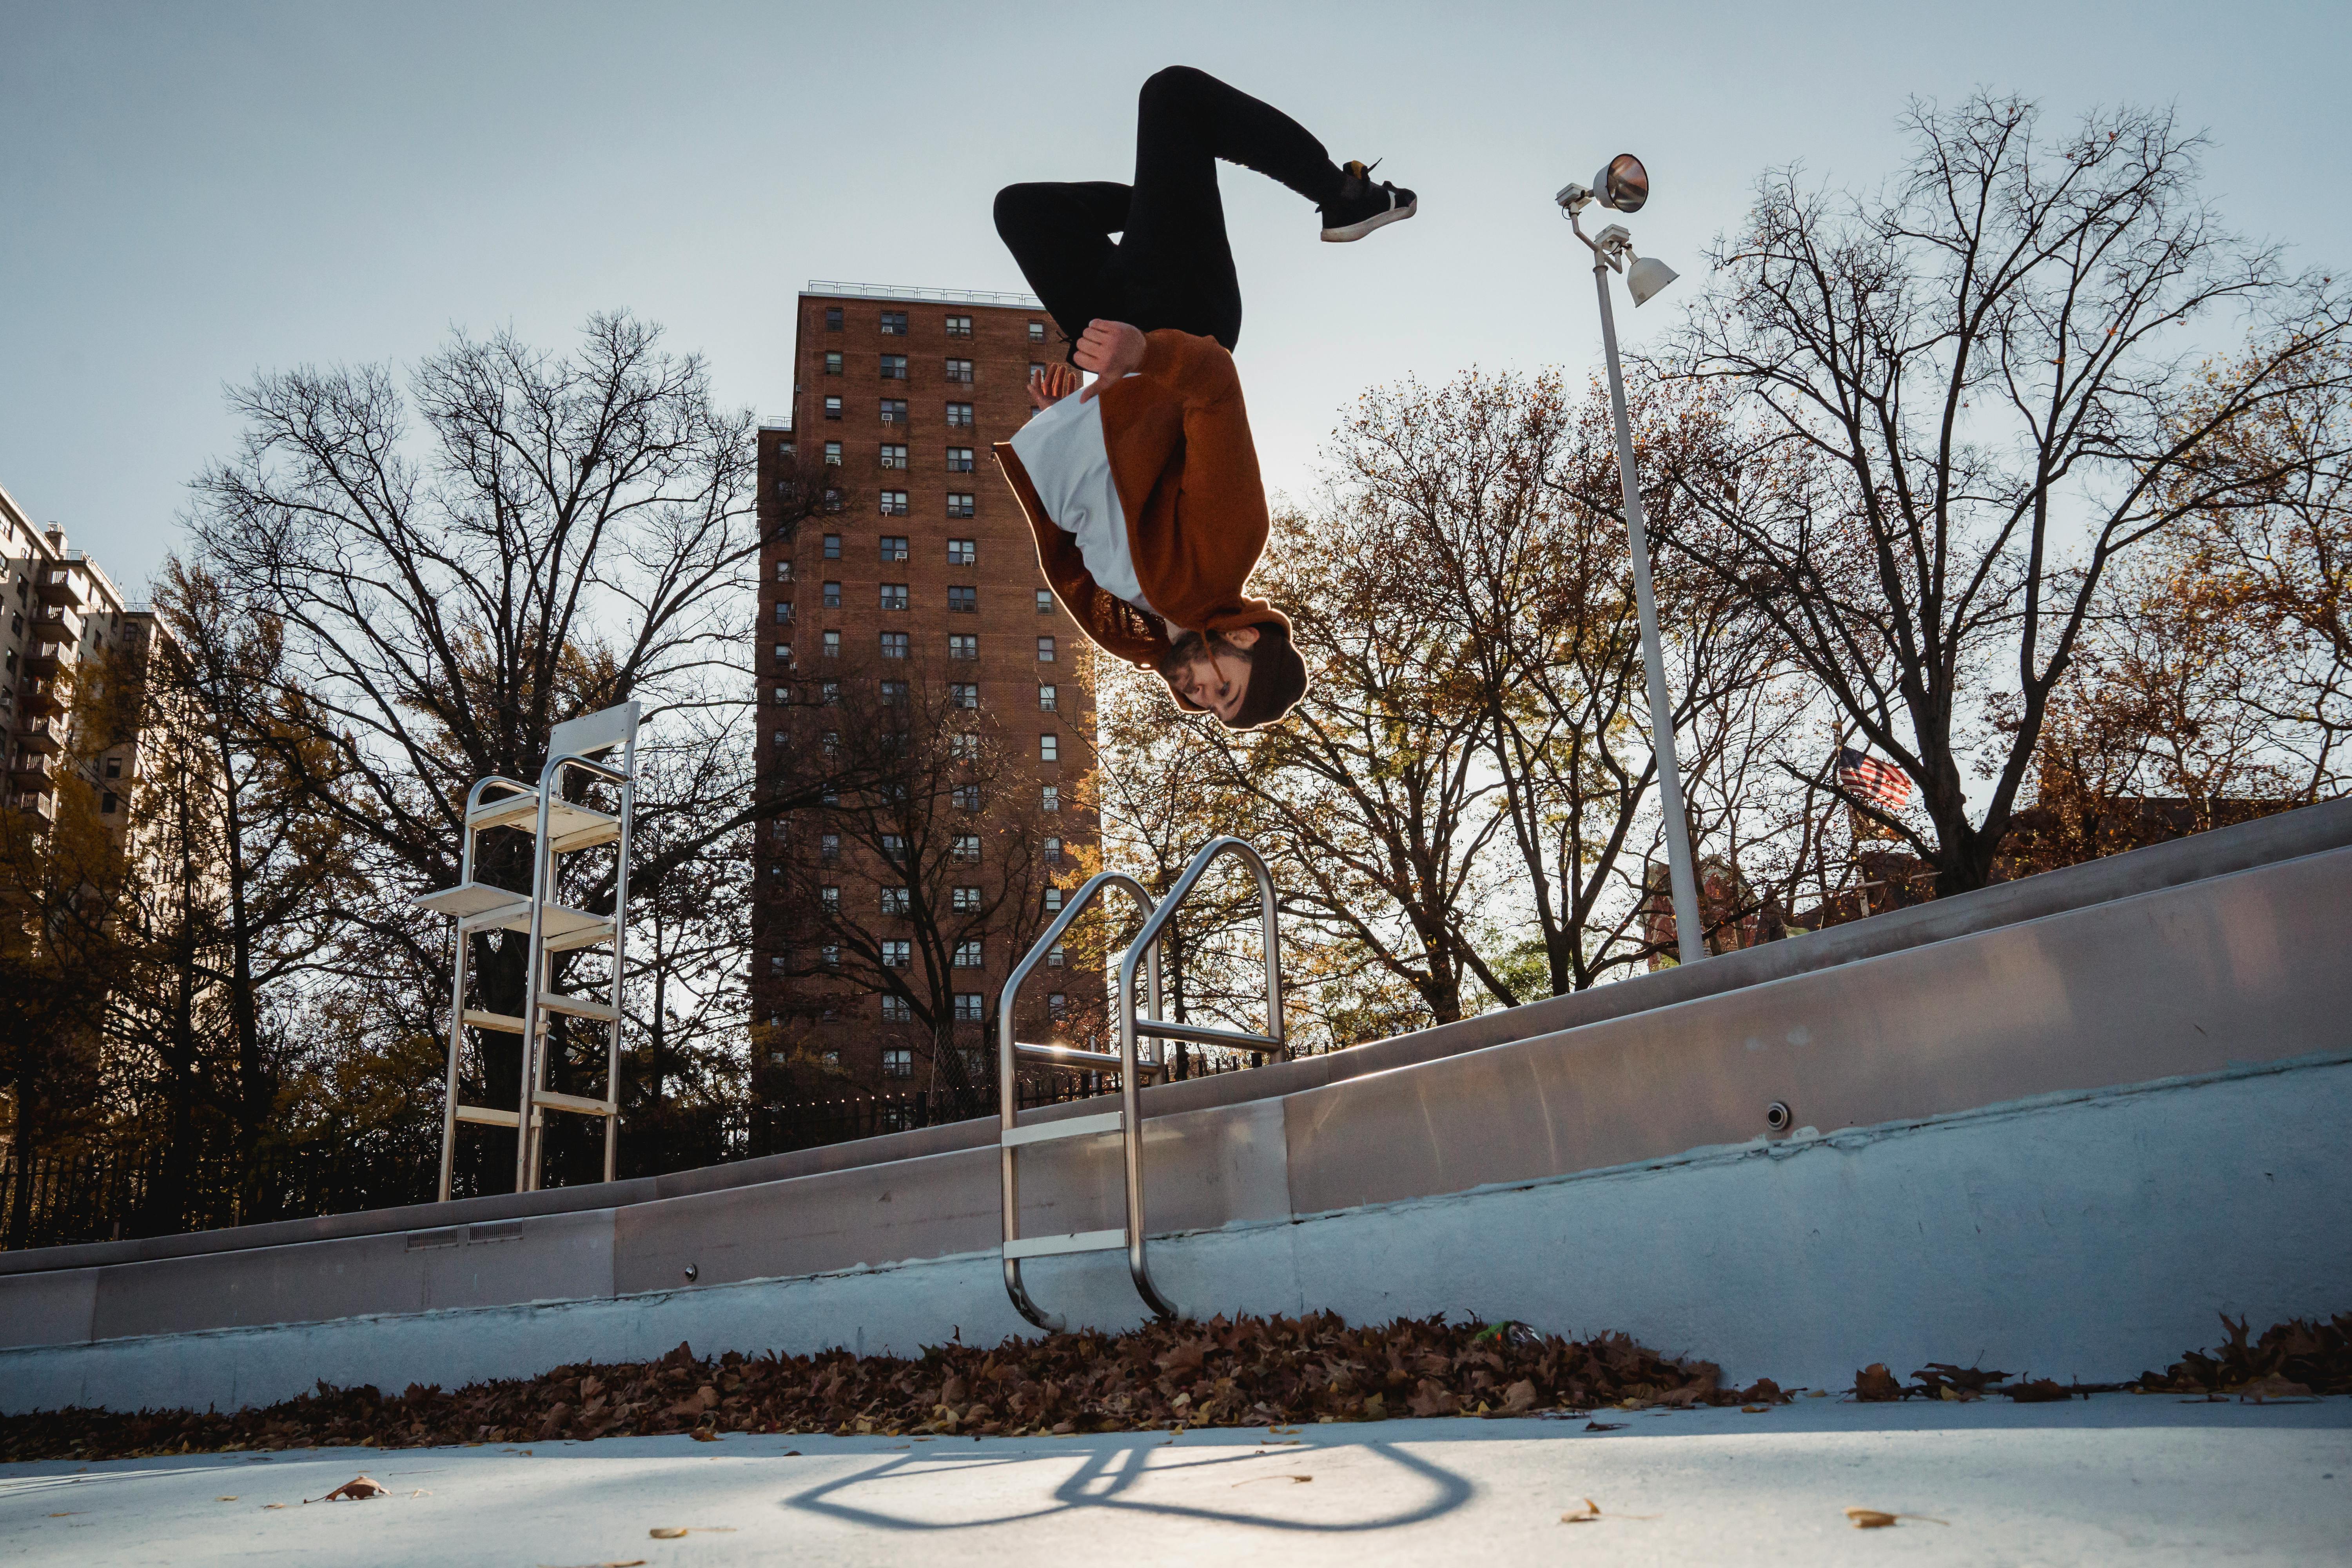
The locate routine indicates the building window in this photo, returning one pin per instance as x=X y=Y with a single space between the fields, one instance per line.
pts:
x=785 y=569
x=894 y=595
x=1053 y=901
x=959 y=326
x=1045 y=650
x=963 y=601
x=833 y=454
x=897 y=953
x=1056 y=956
x=833 y=595
x=832 y=547
x=969 y=1008
x=893 y=411
x=896 y=1011
x=893 y=900
x=959 y=370
x=833 y=408
x=784 y=699
x=1036 y=332
x=960 y=416
x=828 y=692
x=894 y=849
x=1044 y=601
x=107 y=803
x=967 y=901
x=832 y=500
x=1049 y=798
x=1049 y=748
x=967 y=846
x=1053 y=852
x=831 y=952
x=893 y=367
x=965 y=748
x=1036 y=369
x=894 y=691
x=961 y=503
x=894 y=503
x=832 y=645
x=893 y=456
x=964 y=551
x=783 y=612
x=830 y=898
x=894 y=547
x=828 y=847
x=959 y=459
x=833 y=319
x=963 y=694
x=833 y=363
x=897 y=1063
x=967 y=954
x=967 y=797
x=893 y=323
x=963 y=645
x=1057 y=1005
x=832 y=742
x=1047 y=696
x=894 y=644
x=783 y=655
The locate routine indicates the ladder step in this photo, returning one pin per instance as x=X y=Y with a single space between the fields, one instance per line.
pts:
x=508 y=1022
x=1053 y=1246
x=468 y=899
x=569 y=827
x=578 y=1006
x=1068 y=1056
x=1073 y=1127
x=574 y=1103
x=489 y=1118
x=564 y=928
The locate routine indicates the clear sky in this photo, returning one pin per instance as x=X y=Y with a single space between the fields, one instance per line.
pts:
x=192 y=192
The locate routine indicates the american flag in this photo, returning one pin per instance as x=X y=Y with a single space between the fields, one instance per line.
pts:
x=1883 y=784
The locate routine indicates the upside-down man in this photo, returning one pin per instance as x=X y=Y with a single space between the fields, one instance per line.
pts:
x=1143 y=488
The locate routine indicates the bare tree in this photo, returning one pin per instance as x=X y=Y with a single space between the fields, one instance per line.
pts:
x=520 y=538
x=897 y=886
x=1953 y=403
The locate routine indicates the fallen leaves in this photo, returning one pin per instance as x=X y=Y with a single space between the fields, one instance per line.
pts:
x=680 y=1531
x=359 y=1489
x=1590 y=1514
x=2317 y=1355
x=1873 y=1518
x=1875 y=1385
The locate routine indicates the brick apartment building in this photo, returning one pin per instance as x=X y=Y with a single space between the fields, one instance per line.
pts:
x=61 y=610
x=898 y=395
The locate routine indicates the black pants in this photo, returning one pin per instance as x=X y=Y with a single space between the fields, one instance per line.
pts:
x=1173 y=266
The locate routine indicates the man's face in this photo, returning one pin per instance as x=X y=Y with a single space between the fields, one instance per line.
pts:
x=1217 y=681
x=1217 y=678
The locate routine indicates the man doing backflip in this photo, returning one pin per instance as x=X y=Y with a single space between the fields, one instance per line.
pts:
x=1143 y=488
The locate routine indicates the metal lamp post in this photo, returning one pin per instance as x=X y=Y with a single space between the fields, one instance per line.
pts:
x=1623 y=185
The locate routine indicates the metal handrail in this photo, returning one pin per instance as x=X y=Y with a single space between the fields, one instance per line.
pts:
x=1143 y=951
x=1008 y=1053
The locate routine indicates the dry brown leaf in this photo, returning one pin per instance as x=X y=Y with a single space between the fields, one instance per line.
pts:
x=1874 y=1518
x=1753 y=1409
x=271 y=1505
x=1256 y=1478
x=231 y=1497
x=1590 y=1514
x=357 y=1490
x=2272 y=1387
x=703 y=1434
x=1603 y=1426
x=1875 y=1385
x=675 y=1532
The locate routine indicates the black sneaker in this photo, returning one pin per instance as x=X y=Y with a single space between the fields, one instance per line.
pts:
x=1363 y=207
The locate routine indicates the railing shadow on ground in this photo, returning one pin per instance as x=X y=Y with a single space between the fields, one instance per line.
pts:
x=1106 y=1477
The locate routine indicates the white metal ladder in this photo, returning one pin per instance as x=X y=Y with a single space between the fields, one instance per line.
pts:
x=558 y=826
x=1132 y=1062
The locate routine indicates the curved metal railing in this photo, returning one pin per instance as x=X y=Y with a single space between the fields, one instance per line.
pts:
x=1130 y=1062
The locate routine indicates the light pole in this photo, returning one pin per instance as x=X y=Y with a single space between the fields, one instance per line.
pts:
x=1623 y=185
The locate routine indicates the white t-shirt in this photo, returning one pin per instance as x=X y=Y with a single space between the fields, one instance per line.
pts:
x=1062 y=448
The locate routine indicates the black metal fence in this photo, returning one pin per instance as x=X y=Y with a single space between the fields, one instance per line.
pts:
x=114 y=1194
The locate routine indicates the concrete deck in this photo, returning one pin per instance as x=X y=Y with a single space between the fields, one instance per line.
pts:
x=2115 y=1478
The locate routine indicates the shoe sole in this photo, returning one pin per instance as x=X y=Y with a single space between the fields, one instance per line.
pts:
x=1358 y=230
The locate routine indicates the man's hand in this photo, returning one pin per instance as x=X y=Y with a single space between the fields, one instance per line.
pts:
x=1110 y=349
x=1049 y=385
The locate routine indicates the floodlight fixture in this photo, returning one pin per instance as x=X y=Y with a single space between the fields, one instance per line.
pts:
x=1622 y=184
x=1646 y=277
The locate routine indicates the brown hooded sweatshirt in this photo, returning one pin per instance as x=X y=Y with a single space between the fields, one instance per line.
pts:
x=1181 y=457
